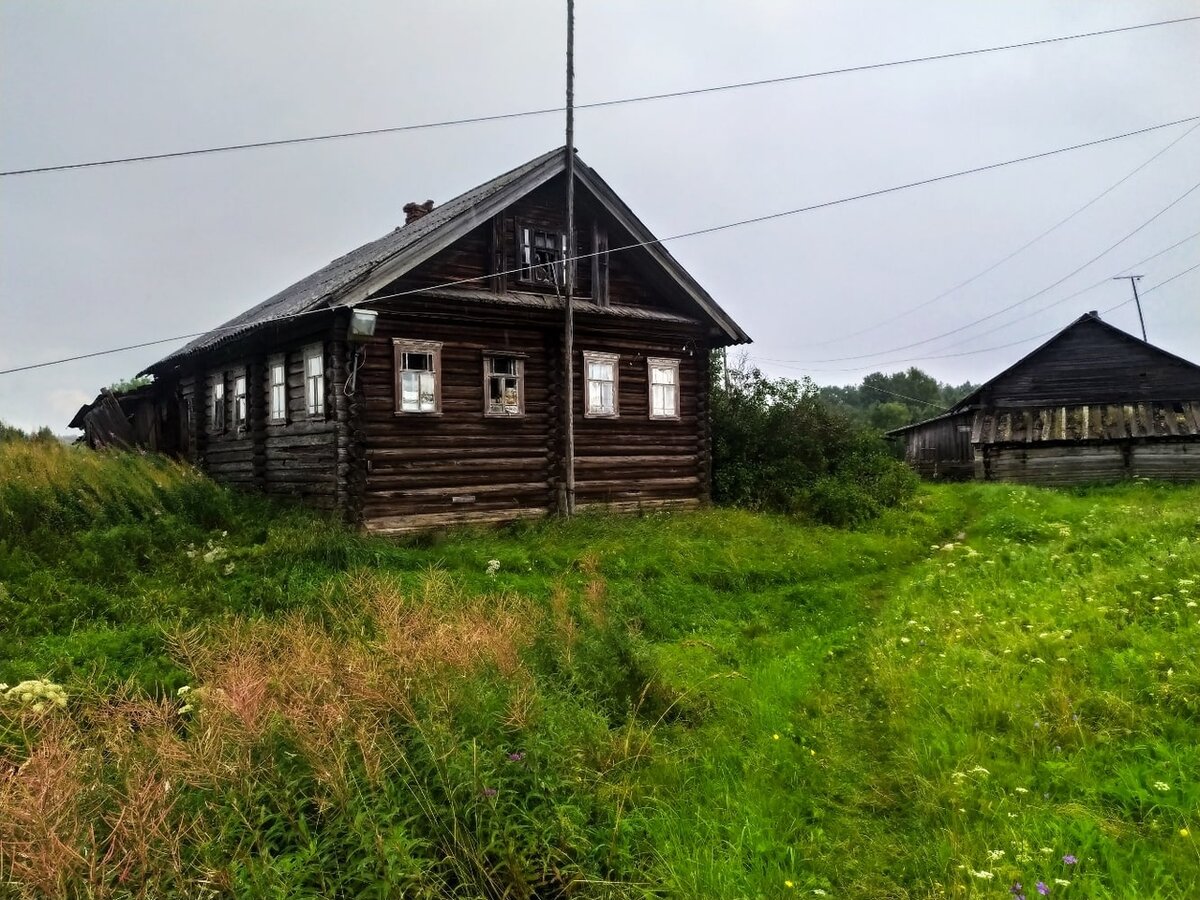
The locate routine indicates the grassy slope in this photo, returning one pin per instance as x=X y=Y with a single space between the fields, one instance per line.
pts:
x=728 y=703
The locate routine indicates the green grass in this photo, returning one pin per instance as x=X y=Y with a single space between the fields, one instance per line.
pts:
x=715 y=704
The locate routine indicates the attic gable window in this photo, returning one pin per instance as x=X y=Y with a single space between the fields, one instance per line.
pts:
x=239 y=403
x=314 y=381
x=504 y=383
x=217 y=418
x=418 y=376
x=600 y=384
x=664 y=388
x=541 y=254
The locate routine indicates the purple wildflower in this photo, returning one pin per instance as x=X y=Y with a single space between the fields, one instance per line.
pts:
x=1070 y=859
x=489 y=792
x=1017 y=891
x=516 y=757
x=1042 y=888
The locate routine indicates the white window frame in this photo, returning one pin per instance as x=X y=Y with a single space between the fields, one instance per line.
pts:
x=314 y=385
x=278 y=414
x=663 y=364
x=216 y=417
x=614 y=359
x=401 y=346
x=241 y=403
x=489 y=358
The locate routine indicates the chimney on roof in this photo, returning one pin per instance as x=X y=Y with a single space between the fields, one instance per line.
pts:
x=414 y=211
x=1093 y=313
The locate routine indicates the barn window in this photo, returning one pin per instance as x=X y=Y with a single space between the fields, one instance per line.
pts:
x=239 y=402
x=664 y=388
x=218 y=404
x=600 y=383
x=418 y=369
x=314 y=381
x=504 y=383
x=541 y=253
x=278 y=390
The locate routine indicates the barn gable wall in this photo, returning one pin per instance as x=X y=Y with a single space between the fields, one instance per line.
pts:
x=1092 y=363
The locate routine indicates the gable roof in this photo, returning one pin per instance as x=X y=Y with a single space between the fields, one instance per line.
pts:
x=352 y=278
x=972 y=400
x=1090 y=318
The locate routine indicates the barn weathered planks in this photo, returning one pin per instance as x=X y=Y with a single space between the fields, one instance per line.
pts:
x=1092 y=404
x=453 y=409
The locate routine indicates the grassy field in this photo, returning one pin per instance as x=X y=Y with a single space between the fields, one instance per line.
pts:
x=992 y=686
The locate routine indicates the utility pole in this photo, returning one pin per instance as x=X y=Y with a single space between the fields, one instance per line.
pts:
x=1133 y=280
x=569 y=275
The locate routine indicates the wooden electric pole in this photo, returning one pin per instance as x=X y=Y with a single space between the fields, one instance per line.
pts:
x=1133 y=280
x=569 y=274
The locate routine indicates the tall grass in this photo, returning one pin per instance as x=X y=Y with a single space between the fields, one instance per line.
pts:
x=947 y=702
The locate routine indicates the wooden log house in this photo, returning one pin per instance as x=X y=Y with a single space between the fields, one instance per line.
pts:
x=1093 y=403
x=419 y=380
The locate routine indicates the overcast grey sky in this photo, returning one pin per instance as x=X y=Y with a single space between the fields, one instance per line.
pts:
x=99 y=258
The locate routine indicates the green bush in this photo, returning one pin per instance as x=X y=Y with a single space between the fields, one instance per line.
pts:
x=778 y=446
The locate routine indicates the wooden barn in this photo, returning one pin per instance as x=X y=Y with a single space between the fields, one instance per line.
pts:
x=1091 y=404
x=420 y=379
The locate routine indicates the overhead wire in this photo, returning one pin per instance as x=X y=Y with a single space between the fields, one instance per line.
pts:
x=599 y=104
x=650 y=242
x=959 y=355
x=1017 y=303
x=962 y=284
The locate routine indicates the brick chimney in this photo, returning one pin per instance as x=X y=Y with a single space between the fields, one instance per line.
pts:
x=414 y=211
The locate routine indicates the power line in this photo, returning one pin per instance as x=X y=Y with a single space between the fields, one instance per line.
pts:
x=600 y=104
x=1026 y=340
x=653 y=241
x=1022 y=301
x=1042 y=310
x=904 y=396
x=1002 y=261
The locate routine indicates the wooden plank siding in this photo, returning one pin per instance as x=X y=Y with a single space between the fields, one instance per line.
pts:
x=941 y=448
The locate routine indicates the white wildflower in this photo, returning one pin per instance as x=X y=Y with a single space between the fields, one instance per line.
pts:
x=1061 y=882
x=994 y=855
x=1161 y=786
x=493 y=567
x=984 y=874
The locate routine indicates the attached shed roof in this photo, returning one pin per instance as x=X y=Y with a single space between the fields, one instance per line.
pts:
x=1086 y=422
x=352 y=278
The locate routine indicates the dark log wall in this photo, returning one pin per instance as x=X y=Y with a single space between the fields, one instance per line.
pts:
x=941 y=449
x=1089 y=363
x=229 y=451
x=427 y=469
x=632 y=460
x=298 y=458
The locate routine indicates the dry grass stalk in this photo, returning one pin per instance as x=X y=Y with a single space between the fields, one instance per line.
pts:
x=43 y=819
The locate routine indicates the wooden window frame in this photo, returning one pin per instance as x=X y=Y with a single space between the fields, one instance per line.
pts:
x=525 y=272
x=278 y=361
x=590 y=356
x=314 y=412
x=241 y=416
x=519 y=359
x=662 y=362
x=216 y=416
x=400 y=346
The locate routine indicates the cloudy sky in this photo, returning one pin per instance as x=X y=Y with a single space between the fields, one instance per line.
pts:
x=98 y=258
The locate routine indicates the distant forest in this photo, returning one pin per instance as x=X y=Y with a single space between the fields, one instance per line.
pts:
x=889 y=401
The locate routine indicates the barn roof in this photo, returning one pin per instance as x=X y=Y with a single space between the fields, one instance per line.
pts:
x=1104 y=420
x=352 y=278
x=1088 y=318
